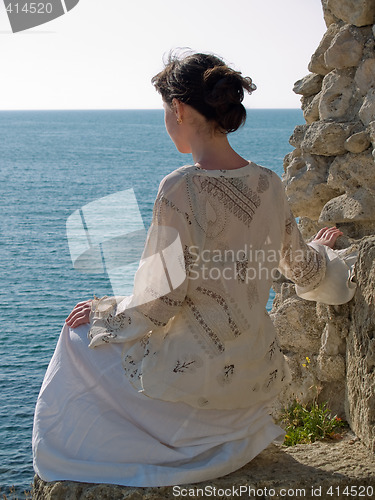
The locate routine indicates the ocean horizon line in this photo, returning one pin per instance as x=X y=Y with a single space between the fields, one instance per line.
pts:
x=129 y=109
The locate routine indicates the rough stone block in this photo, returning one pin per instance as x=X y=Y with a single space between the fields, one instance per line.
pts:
x=304 y=385
x=298 y=136
x=357 y=143
x=367 y=111
x=365 y=75
x=295 y=329
x=309 y=85
x=333 y=341
x=345 y=50
x=358 y=207
x=357 y=12
x=311 y=109
x=330 y=368
x=334 y=392
x=337 y=100
x=360 y=358
x=306 y=185
x=317 y=63
x=308 y=227
x=329 y=18
x=349 y=172
x=326 y=138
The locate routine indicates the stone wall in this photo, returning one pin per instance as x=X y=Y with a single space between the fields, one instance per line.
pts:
x=360 y=353
x=330 y=180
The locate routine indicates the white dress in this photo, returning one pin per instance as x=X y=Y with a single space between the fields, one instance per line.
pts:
x=182 y=375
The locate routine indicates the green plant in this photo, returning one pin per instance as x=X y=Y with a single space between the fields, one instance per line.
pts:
x=309 y=423
x=306 y=423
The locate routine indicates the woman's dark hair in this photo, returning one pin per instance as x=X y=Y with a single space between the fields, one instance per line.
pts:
x=207 y=84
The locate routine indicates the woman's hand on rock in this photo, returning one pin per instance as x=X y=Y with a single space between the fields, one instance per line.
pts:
x=80 y=314
x=327 y=236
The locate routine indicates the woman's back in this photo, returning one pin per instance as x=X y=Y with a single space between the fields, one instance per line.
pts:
x=209 y=341
x=218 y=348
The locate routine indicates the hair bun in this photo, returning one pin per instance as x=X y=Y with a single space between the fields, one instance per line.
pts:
x=207 y=84
x=225 y=87
x=221 y=88
x=224 y=93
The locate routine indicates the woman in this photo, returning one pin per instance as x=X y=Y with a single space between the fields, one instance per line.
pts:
x=180 y=388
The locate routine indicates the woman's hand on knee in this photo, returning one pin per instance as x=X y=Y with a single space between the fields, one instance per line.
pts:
x=80 y=314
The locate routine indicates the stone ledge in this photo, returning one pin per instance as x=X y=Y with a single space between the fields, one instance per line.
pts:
x=321 y=466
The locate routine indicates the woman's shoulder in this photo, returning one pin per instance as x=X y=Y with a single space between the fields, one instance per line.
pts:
x=177 y=180
x=250 y=169
x=174 y=180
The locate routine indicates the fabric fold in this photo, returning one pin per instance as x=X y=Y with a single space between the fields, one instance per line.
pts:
x=338 y=285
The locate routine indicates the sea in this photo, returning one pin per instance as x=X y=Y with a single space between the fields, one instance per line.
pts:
x=53 y=163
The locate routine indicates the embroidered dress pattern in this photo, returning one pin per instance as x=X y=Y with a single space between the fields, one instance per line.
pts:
x=130 y=367
x=160 y=310
x=241 y=268
x=208 y=212
x=187 y=364
x=270 y=380
x=235 y=196
x=118 y=321
x=224 y=306
x=219 y=346
x=263 y=183
x=252 y=294
x=155 y=321
x=188 y=258
x=226 y=377
x=305 y=270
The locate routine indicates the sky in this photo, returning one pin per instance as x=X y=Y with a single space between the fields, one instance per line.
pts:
x=103 y=54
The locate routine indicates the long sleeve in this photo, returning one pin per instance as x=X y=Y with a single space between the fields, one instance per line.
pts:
x=320 y=273
x=299 y=262
x=338 y=285
x=160 y=282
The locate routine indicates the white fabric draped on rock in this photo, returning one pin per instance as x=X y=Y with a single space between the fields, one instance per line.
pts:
x=92 y=426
